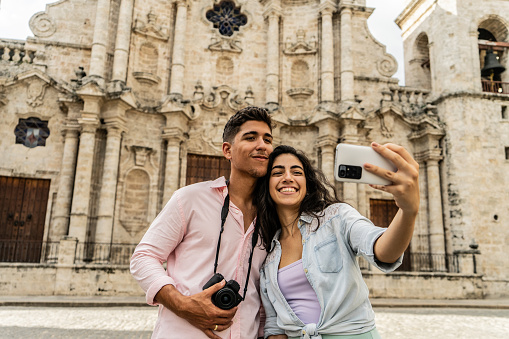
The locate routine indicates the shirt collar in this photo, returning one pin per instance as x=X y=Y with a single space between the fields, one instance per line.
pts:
x=220 y=185
x=307 y=218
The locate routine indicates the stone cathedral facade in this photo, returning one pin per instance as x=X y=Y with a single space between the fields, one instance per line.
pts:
x=112 y=105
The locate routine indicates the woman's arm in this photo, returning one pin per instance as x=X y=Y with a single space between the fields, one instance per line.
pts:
x=405 y=189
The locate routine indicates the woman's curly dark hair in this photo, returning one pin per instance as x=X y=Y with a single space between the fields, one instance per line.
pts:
x=318 y=195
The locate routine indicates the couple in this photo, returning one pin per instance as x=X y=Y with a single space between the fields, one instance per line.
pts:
x=304 y=263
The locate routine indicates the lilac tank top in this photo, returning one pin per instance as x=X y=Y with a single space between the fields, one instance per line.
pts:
x=298 y=292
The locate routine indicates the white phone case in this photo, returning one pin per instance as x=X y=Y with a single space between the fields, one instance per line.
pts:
x=350 y=157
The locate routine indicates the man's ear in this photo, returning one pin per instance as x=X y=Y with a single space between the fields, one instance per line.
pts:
x=227 y=150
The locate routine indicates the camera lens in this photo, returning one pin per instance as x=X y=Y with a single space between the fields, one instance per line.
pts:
x=342 y=171
x=225 y=299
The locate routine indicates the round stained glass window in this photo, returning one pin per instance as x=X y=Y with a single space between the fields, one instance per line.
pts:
x=226 y=17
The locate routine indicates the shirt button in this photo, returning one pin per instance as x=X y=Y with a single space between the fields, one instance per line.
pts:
x=306 y=270
x=303 y=332
x=303 y=241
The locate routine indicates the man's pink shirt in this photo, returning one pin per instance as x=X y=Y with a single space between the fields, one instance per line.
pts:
x=185 y=235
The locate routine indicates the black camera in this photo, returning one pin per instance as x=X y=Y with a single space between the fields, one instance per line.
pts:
x=228 y=297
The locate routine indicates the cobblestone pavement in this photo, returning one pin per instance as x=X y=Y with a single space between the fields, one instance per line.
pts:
x=137 y=322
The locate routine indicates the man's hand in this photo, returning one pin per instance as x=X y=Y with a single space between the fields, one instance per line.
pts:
x=198 y=309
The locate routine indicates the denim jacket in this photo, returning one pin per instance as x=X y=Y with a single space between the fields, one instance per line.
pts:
x=329 y=260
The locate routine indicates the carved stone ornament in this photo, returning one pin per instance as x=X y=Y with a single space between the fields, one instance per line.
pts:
x=35 y=93
x=151 y=28
x=141 y=154
x=222 y=44
x=224 y=99
x=386 y=125
x=387 y=66
x=42 y=25
x=300 y=46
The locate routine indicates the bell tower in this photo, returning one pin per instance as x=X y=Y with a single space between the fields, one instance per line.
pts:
x=459 y=51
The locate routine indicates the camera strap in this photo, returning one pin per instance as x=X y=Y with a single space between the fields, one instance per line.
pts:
x=224 y=214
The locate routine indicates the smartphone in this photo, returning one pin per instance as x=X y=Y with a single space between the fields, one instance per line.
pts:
x=350 y=160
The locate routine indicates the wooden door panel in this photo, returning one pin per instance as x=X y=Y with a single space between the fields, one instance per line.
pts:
x=381 y=214
x=204 y=167
x=22 y=215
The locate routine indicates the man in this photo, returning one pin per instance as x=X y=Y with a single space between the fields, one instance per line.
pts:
x=186 y=232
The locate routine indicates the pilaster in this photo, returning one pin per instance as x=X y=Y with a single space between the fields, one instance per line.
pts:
x=99 y=50
x=347 y=74
x=89 y=122
x=60 y=224
x=115 y=127
x=327 y=9
x=272 y=14
x=177 y=62
x=121 y=55
x=174 y=137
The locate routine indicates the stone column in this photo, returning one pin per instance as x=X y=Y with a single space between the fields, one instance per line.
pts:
x=80 y=202
x=272 y=92
x=347 y=78
x=328 y=147
x=171 y=174
x=109 y=182
x=121 y=55
x=100 y=40
x=327 y=53
x=436 y=223
x=60 y=224
x=328 y=136
x=177 y=61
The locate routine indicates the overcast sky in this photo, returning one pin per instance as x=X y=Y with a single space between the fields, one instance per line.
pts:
x=15 y=14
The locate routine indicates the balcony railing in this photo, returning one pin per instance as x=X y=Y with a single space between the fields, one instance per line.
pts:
x=99 y=253
x=47 y=252
x=423 y=262
x=495 y=87
x=28 y=251
x=15 y=51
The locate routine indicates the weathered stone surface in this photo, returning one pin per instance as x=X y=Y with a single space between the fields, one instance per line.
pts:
x=129 y=89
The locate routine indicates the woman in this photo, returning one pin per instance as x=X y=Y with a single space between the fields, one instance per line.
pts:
x=311 y=284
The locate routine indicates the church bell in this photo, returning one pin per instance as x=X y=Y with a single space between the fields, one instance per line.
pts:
x=491 y=65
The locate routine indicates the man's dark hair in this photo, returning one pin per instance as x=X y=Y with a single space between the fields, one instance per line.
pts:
x=319 y=195
x=232 y=127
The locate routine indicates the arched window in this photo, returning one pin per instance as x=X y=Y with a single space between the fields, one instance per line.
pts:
x=419 y=68
x=493 y=59
x=226 y=17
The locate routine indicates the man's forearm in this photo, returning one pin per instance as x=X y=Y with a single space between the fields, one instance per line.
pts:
x=171 y=298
